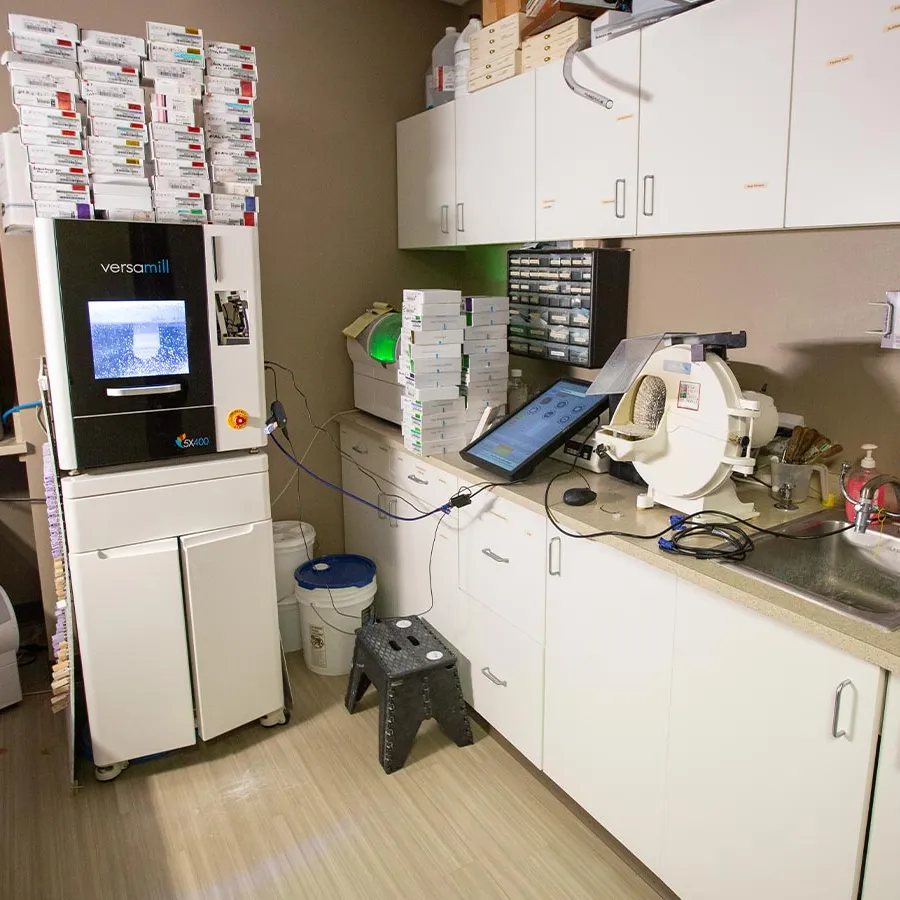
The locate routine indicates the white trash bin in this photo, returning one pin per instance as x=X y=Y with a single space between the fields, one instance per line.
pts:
x=335 y=594
x=294 y=545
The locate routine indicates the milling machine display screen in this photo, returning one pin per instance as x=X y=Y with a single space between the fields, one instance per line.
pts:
x=138 y=338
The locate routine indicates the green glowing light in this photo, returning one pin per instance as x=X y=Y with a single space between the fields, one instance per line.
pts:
x=383 y=339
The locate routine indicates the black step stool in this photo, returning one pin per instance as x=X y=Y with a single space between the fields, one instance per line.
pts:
x=416 y=677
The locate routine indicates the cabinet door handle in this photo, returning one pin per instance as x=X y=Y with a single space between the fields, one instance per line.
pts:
x=380 y=504
x=492 y=677
x=837 y=709
x=393 y=508
x=460 y=216
x=445 y=219
x=649 y=192
x=418 y=480
x=215 y=258
x=620 y=193
x=557 y=544
x=491 y=555
x=362 y=451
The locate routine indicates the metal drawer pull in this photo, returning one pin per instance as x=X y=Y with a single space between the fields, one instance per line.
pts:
x=445 y=219
x=492 y=677
x=649 y=191
x=460 y=217
x=417 y=480
x=393 y=510
x=555 y=543
x=837 y=710
x=491 y=555
x=144 y=390
x=362 y=451
x=620 y=182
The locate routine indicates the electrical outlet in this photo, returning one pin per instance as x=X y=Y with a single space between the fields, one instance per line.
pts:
x=890 y=328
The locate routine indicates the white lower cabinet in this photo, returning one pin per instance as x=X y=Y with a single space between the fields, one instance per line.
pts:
x=769 y=758
x=610 y=624
x=506 y=679
x=882 y=876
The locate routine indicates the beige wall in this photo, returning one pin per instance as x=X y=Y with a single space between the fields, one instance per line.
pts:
x=335 y=78
x=801 y=297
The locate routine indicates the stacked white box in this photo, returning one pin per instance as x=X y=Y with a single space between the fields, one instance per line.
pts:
x=485 y=370
x=174 y=75
x=110 y=70
x=230 y=85
x=44 y=168
x=429 y=369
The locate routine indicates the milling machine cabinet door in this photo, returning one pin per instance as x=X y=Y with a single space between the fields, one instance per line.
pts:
x=232 y=615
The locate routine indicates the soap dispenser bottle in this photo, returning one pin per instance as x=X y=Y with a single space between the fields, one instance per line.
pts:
x=858 y=478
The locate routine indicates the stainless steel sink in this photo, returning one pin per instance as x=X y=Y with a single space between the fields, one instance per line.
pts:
x=857 y=575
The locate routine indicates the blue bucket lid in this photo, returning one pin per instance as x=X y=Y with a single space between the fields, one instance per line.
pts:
x=334 y=572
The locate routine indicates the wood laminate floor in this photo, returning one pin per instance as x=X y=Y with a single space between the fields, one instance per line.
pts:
x=302 y=812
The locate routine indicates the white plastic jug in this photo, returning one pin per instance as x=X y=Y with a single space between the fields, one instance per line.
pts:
x=442 y=63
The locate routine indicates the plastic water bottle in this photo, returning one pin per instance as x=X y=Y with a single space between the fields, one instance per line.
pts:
x=429 y=88
x=517 y=393
x=462 y=55
x=442 y=64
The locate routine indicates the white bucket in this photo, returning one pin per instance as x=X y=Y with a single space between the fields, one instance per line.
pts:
x=289 y=624
x=333 y=593
x=295 y=544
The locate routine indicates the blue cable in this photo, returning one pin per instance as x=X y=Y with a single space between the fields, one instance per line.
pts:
x=19 y=408
x=443 y=510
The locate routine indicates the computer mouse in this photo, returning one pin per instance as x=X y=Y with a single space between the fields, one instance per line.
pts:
x=579 y=496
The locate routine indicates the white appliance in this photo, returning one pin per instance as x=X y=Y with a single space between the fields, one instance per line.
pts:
x=155 y=360
x=10 y=686
x=153 y=337
x=374 y=351
x=686 y=424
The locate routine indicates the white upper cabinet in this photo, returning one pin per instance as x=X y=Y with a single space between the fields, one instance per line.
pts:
x=715 y=109
x=426 y=179
x=845 y=118
x=772 y=738
x=495 y=130
x=586 y=165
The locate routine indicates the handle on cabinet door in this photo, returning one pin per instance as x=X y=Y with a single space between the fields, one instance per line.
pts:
x=215 y=258
x=620 y=192
x=492 y=677
x=445 y=219
x=557 y=543
x=491 y=555
x=362 y=451
x=418 y=480
x=380 y=504
x=837 y=709
x=393 y=508
x=460 y=216
x=649 y=191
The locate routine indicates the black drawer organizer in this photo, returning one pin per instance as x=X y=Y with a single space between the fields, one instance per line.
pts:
x=567 y=306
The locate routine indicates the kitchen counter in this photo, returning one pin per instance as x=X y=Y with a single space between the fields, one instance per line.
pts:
x=615 y=509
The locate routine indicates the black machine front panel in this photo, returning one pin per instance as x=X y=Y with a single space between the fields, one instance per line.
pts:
x=134 y=306
x=136 y=330
x=161 y=434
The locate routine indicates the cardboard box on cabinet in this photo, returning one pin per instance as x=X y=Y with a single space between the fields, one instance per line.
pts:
x=493 y=10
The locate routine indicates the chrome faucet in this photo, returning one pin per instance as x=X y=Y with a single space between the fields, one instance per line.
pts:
x=865 y=505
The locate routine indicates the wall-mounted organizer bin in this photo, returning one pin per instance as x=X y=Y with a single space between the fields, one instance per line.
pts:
x=568 y=306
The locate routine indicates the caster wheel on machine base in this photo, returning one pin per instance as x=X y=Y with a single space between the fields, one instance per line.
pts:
x=109 y=773
x=279 y=717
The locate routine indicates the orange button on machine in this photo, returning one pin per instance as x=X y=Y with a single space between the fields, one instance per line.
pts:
x=238 y=418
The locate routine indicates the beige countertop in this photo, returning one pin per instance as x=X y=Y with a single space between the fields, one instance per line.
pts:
x=615 y=510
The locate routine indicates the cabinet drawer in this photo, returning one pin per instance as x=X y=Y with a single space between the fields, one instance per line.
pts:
x=502 y=561
x=425 y=482
x=373 y=454
x=507 y=672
